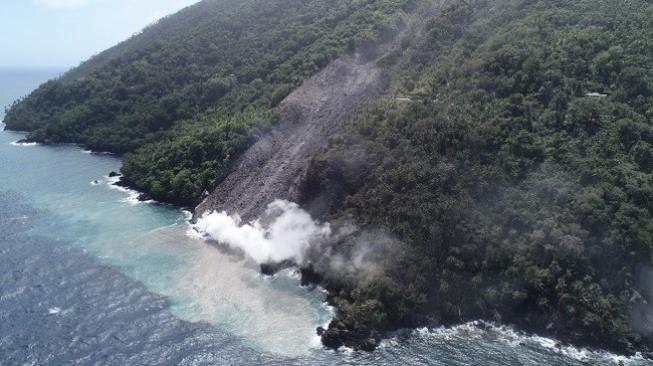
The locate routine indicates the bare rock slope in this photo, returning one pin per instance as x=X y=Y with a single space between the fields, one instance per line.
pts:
x=274 y=166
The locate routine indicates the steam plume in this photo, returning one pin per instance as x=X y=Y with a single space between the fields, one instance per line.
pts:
x=283 y=232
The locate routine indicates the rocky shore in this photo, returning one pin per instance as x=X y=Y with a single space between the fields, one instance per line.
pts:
x=124 y=183
x=368 y=339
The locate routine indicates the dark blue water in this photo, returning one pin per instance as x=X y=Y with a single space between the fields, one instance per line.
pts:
x=100 y=317
x=90 y=277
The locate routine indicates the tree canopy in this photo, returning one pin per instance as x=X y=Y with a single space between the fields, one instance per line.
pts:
x=519 y=174
x=205 y=77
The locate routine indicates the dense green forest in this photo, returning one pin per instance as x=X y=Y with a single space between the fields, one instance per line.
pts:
x=508 y=175
x=519 y=177
x=191 y=91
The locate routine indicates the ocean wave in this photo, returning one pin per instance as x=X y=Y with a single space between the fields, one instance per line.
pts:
x=12 y=294
x=91 y=152
x=292 y=273
x=348 y=351
x=188 y=216
x=24 y=144
x=134 y=198
x=514 y=338
x=132 y=195
x=113 y=180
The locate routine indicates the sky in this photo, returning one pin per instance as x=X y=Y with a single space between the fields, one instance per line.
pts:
x=63 y=33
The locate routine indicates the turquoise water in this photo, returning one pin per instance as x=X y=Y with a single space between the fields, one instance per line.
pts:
x=90 y=276
x=149 y=243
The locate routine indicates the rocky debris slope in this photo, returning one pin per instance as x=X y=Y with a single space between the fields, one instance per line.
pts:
x=274 y=166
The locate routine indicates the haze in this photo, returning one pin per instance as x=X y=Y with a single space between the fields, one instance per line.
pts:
x=62 y=33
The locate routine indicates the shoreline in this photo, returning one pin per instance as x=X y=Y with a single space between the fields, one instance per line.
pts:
x=115 y=181
x=514 y=338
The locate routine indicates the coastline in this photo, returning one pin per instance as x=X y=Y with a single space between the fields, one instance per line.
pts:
x=515 y=339
x=516 y=332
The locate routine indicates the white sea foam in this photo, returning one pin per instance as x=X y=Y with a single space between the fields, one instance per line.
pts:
x=113 y=180
x=12 y=294
x=188 y=216
x=24 y=144
x=291 y=273
x=132 y=199
x=316 y=341
x=514 y=338
x=284 y=232
x=132 y=195
x=346 y=350
x=17 y=218
x=91 y=152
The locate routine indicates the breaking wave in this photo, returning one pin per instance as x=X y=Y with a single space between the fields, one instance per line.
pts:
x=24 y=144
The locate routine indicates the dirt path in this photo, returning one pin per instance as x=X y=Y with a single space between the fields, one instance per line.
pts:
x=273 y=167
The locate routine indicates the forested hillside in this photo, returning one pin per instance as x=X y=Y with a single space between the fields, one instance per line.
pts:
x=192 y=91
x=518 y=175
x=507 y=175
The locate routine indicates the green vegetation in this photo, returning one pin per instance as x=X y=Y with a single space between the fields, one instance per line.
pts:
x=520 y=177
x=190 y=92
x=515 y=185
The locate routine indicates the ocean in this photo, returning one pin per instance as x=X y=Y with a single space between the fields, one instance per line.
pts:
x=91 y=276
